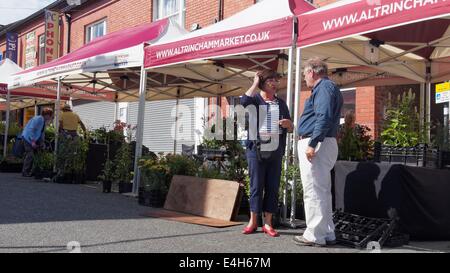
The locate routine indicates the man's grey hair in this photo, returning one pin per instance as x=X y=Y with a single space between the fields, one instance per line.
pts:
x=316 y=65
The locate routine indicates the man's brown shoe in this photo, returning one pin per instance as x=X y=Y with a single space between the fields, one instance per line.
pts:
x=300 y=240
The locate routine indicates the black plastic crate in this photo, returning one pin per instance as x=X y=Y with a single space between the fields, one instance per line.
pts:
x=357 y=231
x=419 y=156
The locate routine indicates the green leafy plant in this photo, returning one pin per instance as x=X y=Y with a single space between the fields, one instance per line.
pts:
x=157 y=173
x=179 y=165
x=401 y=126
x=154 y=175
x=123 y=163
x=355 y=143
x=43 y=161
x=211 y=173
x=236 y=164
x=292 y=173
x=13 y=130
x=99 y=135
x=108 y=173
x=50 y=133
x=71 y=156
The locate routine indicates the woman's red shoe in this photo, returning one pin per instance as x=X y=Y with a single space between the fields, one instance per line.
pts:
x=249 y=230
x=270 y=231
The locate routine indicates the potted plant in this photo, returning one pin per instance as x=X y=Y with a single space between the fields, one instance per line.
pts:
x=11 y=164
x=292 y=174
x=355 y=143
x=43 y=165
x=154 y=181
x=71 y=160
x=401 y=125
x=157 y=173
x=107 y=176
x=123 y=168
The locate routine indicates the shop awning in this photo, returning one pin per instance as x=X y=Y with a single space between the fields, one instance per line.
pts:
x=265 y=26
x=226 y=54
x=104 y=67
x=393 y=37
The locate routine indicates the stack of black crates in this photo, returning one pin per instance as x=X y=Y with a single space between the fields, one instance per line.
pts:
x=420 y=156
x=358 y=231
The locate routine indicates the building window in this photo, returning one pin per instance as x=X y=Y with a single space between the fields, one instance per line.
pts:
x=41 y=49
x=174 y=9
x=123 y=109
x=349 y=96
x=95 y=30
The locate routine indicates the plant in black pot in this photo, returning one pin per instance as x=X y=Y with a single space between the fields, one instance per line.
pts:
x=292 y=174
x=71 y=160
x=401 y=126
x=11 y=164
x=123 y=168
x=43 y=164
x=108 y=176
x=155 y=182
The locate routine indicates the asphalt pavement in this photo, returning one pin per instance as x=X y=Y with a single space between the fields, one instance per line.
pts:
x=46 y=217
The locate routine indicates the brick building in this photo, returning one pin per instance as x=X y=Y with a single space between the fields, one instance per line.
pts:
x=94 y=18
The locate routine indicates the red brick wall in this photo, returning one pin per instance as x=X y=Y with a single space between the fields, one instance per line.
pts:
x=119 y=15
x=366 y=108
x=304 y=95
x=202 y=12
x=232 y=6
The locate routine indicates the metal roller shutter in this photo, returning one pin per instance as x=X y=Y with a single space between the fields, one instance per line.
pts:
x=95 y=114
x=159 y=124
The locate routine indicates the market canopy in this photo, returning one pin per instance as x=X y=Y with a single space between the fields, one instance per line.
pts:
x=265 y=26
x=392 y=37
x=25 y=96
x=224 y=53
x=108 y=68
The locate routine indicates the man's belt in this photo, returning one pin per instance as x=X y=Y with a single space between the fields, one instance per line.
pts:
x=303 y=137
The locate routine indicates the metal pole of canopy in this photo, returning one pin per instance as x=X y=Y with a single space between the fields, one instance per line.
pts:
x=422 y=106
x=176 y=122
x=298 y=87
x=8 y=109
x=289 y=139
x=428 y=100
x=293 y=222
x=57 y=113
x=140 y=129
x=35 y=108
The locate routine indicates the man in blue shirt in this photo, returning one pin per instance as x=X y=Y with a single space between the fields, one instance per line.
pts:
x=33 y=137
x=318 y=151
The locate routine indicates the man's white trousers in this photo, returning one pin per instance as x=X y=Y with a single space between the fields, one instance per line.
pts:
x=316 y=181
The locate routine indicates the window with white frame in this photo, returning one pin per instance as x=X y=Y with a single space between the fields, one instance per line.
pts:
x=95 y=30
x=41 y=49
x=174 y=9
x=349 y=96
